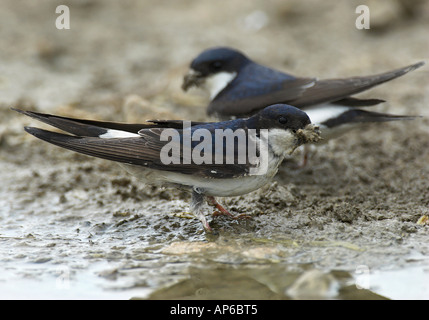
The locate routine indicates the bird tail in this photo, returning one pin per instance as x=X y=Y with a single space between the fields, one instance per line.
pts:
x=362 y=116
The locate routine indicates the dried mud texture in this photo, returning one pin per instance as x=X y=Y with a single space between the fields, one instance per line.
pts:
x=79 y=227
x=309 y=134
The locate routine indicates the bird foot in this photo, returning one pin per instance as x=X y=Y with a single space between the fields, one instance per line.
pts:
x=221 y=211
x=236 y=217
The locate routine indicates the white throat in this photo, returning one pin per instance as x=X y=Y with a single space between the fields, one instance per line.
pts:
x=282 y=142
x=217 y=82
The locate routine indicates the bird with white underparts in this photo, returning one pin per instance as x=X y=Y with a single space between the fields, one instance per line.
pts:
x=209 y=159
x=239 y=87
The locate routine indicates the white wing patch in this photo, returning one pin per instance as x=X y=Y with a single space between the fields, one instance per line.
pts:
x=321 y=113
x=114 y=134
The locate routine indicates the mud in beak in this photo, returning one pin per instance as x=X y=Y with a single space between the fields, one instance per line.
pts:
x=311 y=133
x=192 y=78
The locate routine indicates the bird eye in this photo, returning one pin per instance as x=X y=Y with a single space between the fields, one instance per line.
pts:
x=282 y=120
x=216 y=65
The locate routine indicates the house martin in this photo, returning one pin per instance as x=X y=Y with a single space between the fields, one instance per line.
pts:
x=205 y=158
x=239 y=87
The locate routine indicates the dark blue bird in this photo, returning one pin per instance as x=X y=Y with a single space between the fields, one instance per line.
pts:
x=188 y=154
x=240 y=87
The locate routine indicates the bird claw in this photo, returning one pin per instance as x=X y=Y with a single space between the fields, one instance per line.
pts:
x=235 y=217
x=242 y=216
x=221 y=211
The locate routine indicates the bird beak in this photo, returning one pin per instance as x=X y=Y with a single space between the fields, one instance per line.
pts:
x=192 y=78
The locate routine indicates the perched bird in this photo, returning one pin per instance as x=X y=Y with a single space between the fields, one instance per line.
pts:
x=240 y=87
x=205 y=158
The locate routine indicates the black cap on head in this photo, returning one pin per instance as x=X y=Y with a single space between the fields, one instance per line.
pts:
x=281 y=116
x=218 y=59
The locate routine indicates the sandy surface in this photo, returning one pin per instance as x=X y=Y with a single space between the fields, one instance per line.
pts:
x=79 y=227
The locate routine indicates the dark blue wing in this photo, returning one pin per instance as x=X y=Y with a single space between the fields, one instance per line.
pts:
x=257 y=87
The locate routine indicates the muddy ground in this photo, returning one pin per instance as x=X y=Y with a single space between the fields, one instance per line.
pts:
x=346 y=226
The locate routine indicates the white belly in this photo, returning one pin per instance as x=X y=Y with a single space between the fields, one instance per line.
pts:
x=210 y=186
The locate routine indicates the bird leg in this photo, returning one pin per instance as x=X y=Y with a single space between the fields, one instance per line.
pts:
x=197 y=202
x=304 y=160
x=221 y=210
